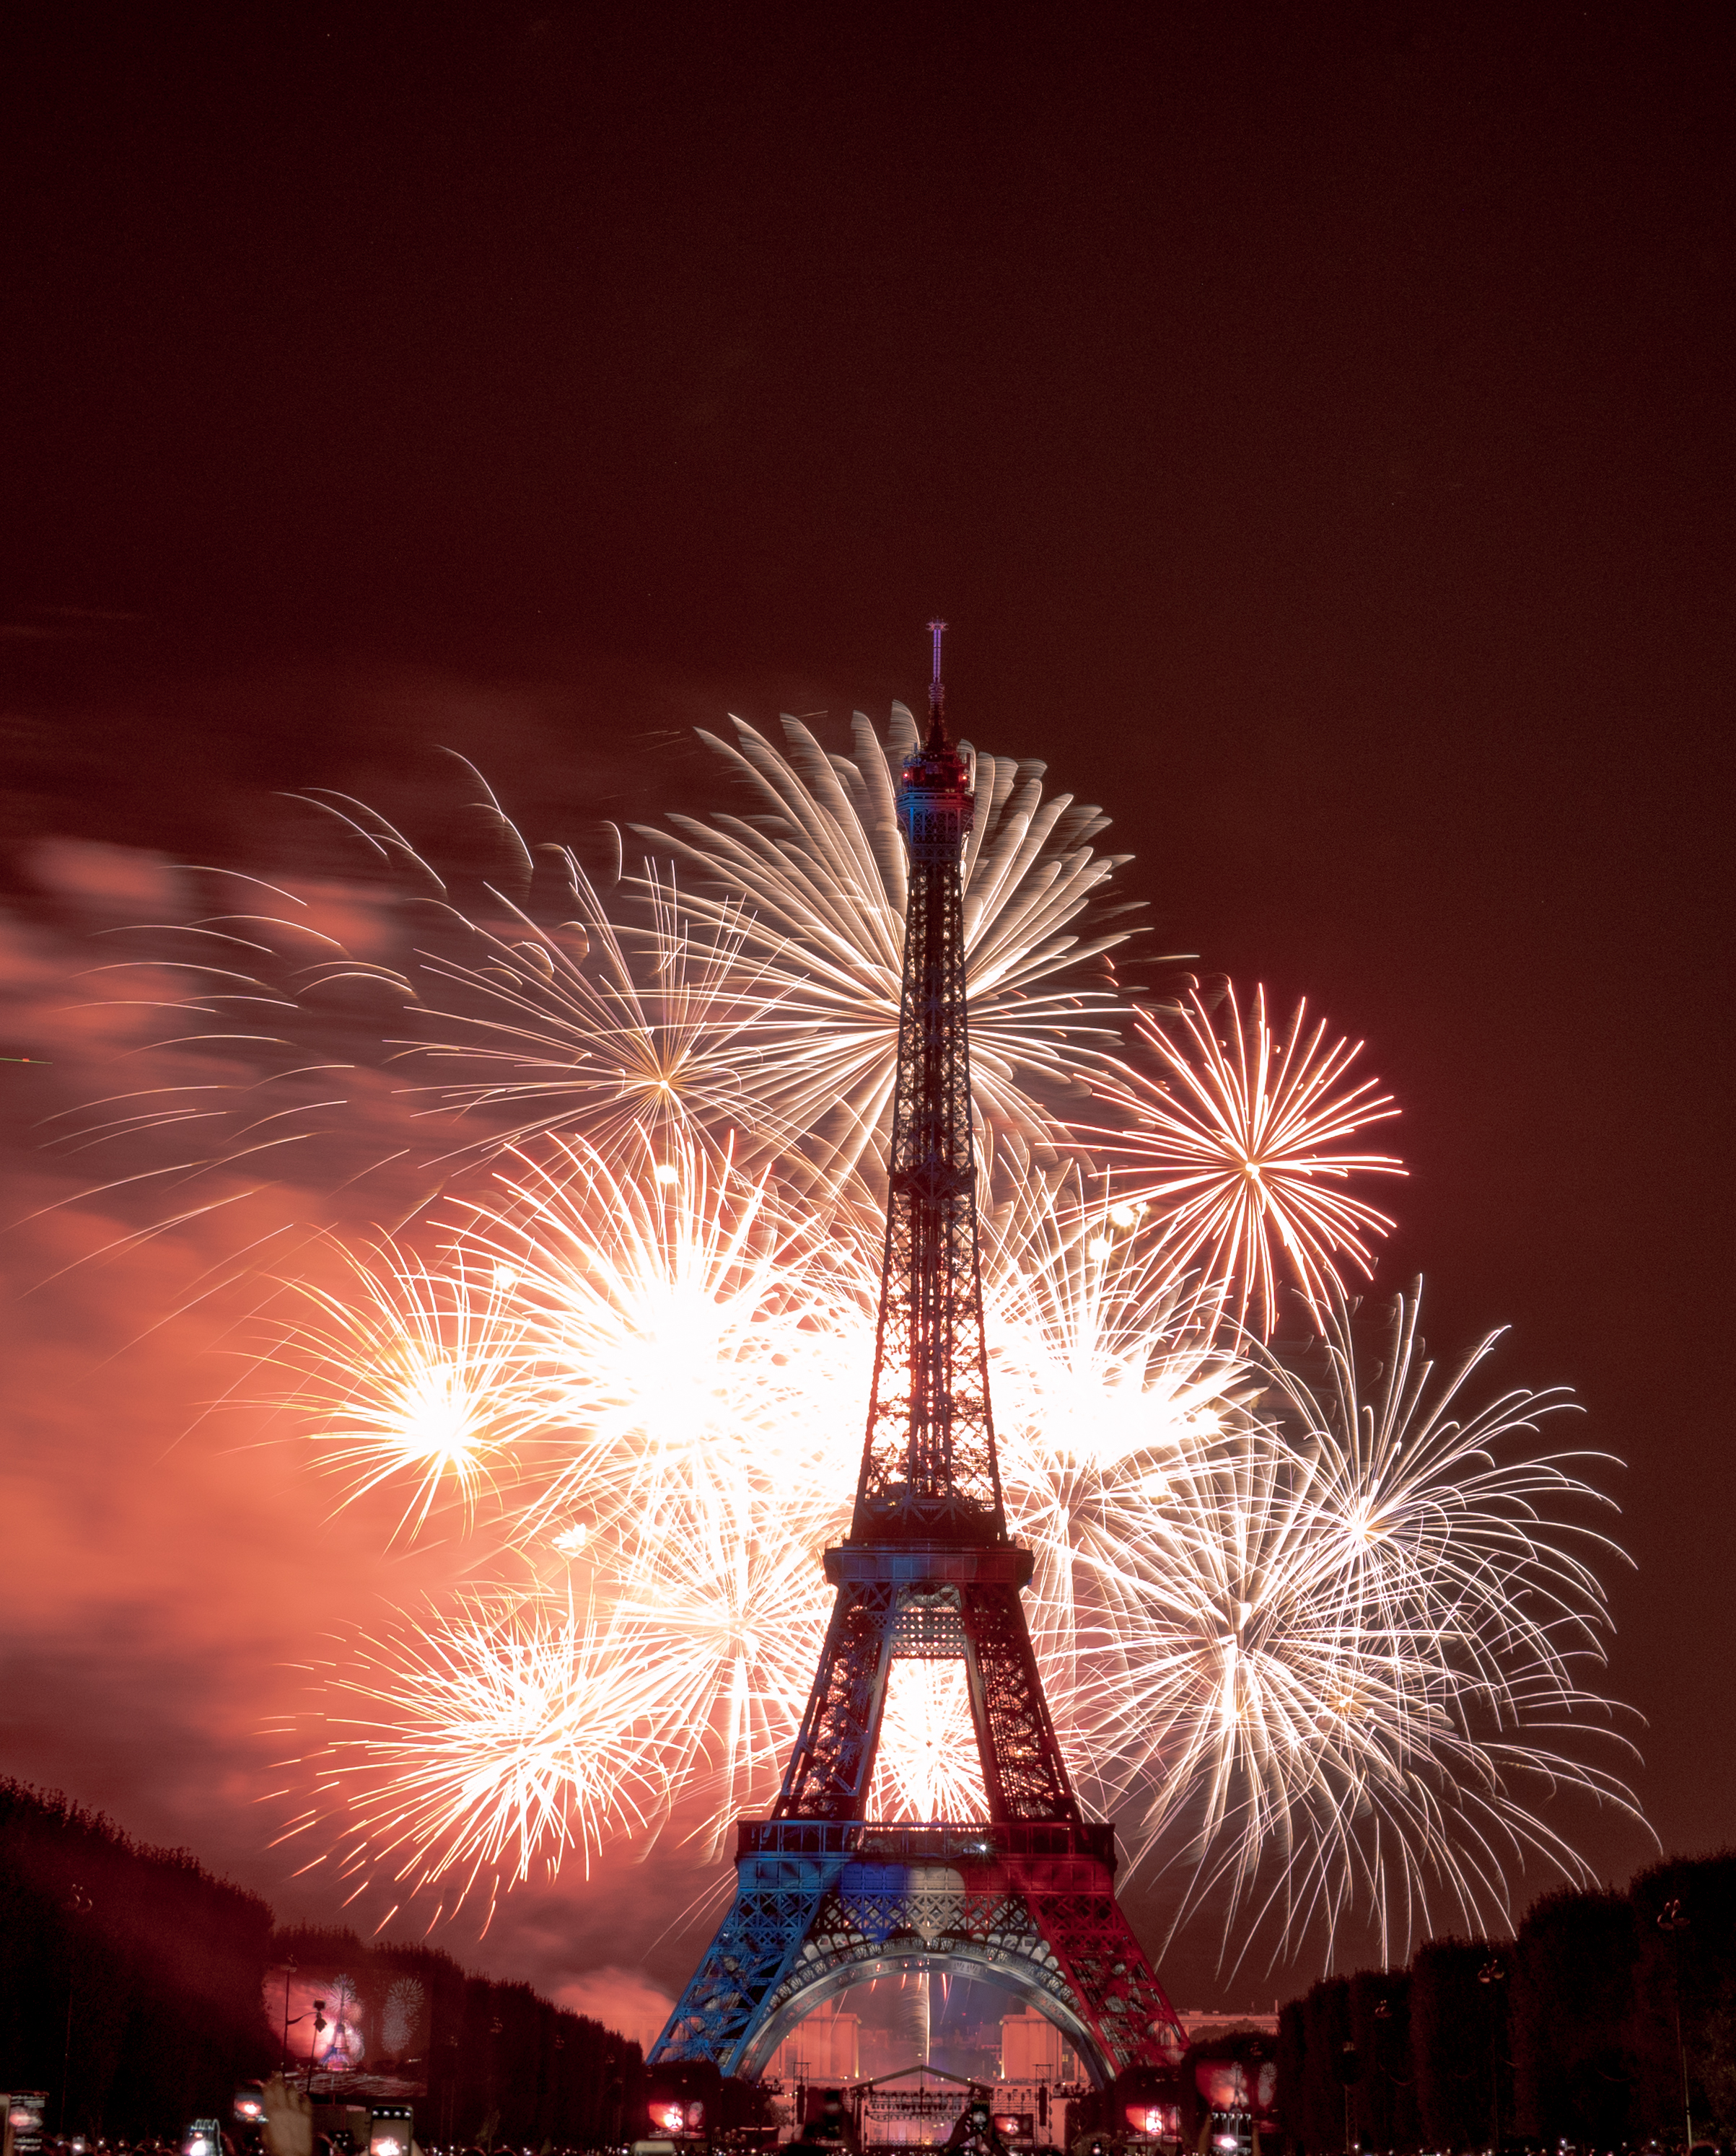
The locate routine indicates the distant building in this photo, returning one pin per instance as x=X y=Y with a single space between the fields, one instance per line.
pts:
x=1200 y=2024
x=825 y=2046
x=1033 y=2050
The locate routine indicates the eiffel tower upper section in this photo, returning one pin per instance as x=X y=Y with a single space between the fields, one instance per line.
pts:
x=928 y=1569
x=929 y=1470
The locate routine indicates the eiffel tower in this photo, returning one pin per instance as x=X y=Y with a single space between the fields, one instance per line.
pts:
x=824 y=1897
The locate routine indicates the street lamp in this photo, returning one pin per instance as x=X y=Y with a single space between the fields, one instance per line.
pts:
x=1491 y=1973
x=78 y=1904
x=1671 y=1919
x=449 y=2109
x=288 y=1970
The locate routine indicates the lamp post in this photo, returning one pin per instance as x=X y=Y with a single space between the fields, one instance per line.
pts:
x=450 y=2107
x=78 y=1904
x=1671 y=1919
x=288 y=1970
x=1383 y=2070
x=1491 y=1974
x=1348 y=2067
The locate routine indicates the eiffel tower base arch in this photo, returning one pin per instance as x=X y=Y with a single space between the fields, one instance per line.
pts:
x=823 y=1904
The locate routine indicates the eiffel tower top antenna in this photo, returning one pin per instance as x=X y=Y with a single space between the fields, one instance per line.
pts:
x=937 y=691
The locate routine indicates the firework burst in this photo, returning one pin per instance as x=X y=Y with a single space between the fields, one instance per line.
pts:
x=1102 y=1368
x=1319 y=1637
x=505 y=1736
x=692 y=1338
x=1347 y=1632
x=821 y=869
x=614 y=1024
x=1239 y=1142
x=407 y=1374
x=927 y=1766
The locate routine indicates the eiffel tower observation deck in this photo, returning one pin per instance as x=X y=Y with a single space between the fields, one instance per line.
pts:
x=826 y=1897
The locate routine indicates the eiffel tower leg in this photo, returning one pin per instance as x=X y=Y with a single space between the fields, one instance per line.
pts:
x=721 y=2011
x=1024 y=1776
x=1082 y=1925
x=827 y=1777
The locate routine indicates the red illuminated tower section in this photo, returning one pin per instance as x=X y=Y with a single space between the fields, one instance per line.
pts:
x=824 y=1896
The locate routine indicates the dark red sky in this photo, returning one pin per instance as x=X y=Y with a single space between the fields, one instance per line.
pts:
x=1316 y=425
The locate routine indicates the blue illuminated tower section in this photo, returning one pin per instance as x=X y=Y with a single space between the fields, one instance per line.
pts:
x=825 y=1897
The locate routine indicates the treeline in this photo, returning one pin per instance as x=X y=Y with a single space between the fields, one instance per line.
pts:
x=163 y=1970
x=153 y=1965
x=1567 y=2032
x=504 y=2064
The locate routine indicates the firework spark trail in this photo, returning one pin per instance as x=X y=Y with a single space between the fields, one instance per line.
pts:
x=503 y=1734
x=607 y=1026
x=1347 y=1634
x=1238 y=1143
x=410 y=1372
x=765 y=1007
x=1281 y=1620
x=1332 y=1633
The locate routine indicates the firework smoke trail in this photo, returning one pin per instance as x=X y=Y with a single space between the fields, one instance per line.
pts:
x=1238 y=1144
x=1347 y=1635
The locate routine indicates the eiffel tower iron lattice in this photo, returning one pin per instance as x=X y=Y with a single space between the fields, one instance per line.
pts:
x=825 y=1897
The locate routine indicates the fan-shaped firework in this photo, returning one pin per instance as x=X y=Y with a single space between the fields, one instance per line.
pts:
x=821 y=868
x=1239 y=1144
x=641 y=1018
x=1347 y=1635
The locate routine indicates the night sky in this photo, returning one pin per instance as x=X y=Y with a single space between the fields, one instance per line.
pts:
x=1316 y=425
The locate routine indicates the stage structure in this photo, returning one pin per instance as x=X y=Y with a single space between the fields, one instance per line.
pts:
x=824 y=1897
